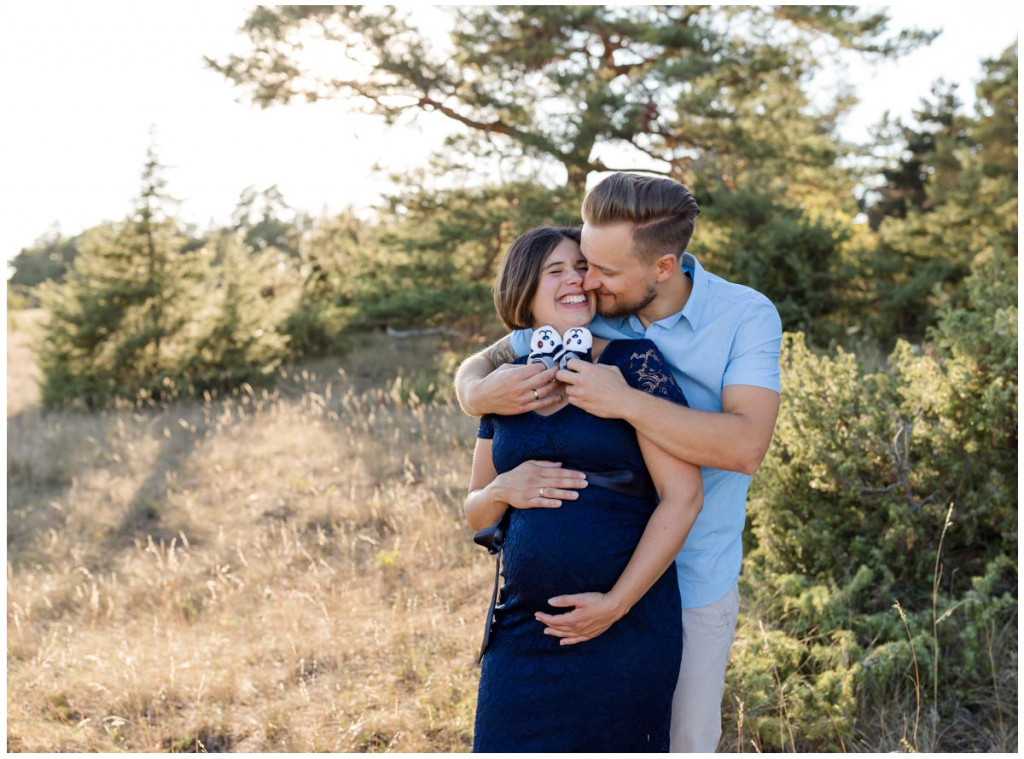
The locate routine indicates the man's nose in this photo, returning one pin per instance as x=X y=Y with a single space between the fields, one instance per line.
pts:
x=590 y=280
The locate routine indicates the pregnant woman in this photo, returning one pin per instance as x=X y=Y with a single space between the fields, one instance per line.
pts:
x=597 y=511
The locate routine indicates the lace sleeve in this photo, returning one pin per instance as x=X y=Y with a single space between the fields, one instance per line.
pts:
x=645 y=368
x=486 y=429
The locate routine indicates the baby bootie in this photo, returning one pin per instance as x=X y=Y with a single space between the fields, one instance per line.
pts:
x=545 y=347
x=578 y=343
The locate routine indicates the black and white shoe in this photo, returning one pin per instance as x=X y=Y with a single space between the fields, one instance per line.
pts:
x=545 y=347
x=578 y=343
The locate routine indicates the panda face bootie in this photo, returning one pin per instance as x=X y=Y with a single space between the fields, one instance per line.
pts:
x=578 y=343
x=551 y=349
x=545 y=347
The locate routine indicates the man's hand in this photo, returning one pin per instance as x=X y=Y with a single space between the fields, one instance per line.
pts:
x=596 y=388
x=594 y=613
x=512 y=389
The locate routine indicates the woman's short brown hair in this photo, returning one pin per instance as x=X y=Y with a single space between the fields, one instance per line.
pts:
x=519 y=274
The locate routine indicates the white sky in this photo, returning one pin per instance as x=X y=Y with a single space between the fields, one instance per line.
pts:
x=84 y=82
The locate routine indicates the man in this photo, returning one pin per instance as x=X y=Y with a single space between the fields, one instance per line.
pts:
x=722 y=342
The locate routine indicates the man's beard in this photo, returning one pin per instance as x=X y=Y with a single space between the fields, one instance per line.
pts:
x=619 y=307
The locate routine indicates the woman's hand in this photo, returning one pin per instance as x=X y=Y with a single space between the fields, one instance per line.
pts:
x=531 y=485
x=538 y=485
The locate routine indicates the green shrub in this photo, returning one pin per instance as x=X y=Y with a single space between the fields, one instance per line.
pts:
x=848 y=517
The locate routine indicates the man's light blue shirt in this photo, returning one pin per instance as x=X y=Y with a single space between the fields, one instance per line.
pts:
x=726 y=334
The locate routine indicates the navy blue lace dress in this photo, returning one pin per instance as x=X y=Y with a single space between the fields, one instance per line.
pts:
x=612 y=693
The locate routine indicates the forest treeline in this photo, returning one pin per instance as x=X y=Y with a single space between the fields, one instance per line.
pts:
x=892 y=476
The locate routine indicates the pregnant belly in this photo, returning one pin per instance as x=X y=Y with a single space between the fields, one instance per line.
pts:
x=580 y=547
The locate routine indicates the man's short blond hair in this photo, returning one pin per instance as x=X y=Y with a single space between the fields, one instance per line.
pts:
x=661 y=211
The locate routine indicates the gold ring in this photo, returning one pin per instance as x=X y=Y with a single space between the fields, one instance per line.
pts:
x=542 y=492
x=536 y=395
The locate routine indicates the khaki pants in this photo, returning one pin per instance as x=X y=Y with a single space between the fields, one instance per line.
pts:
x=697 y=703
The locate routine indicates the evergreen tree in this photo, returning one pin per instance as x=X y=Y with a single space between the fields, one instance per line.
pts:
x=339 y=257
x=903 y=187
x=265 y=220
x=966 y=208
x=428 y=261
x=117 y=323
x=443 y=248
x=771 y=243
x=236 y=333
x=47 y=259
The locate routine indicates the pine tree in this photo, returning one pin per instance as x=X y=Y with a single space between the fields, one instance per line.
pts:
x=666 y=87
x=237 y=335
x=266 y=221
x=966 y=207
x=117 y=323
x=48 y=258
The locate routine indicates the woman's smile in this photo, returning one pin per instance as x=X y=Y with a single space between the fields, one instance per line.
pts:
x=574 y=299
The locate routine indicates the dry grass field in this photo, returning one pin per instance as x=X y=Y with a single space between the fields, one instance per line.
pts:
x=282 y=570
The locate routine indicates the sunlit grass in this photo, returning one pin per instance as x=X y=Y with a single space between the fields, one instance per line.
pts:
x=281 y=570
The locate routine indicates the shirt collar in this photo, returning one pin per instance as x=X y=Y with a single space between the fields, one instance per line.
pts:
x=695 y=304
x=698 y=300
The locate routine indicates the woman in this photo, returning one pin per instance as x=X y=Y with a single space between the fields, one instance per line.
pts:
x=597 y=524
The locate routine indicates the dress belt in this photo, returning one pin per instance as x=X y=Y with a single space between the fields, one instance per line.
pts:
x=624 y=481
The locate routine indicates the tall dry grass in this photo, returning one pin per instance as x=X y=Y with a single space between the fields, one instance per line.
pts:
x=281 y=570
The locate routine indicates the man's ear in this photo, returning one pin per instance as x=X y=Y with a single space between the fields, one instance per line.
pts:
x=664 y=266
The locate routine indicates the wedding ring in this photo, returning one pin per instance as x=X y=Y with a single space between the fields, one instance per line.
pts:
x=542 y=492
x=536 y=395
